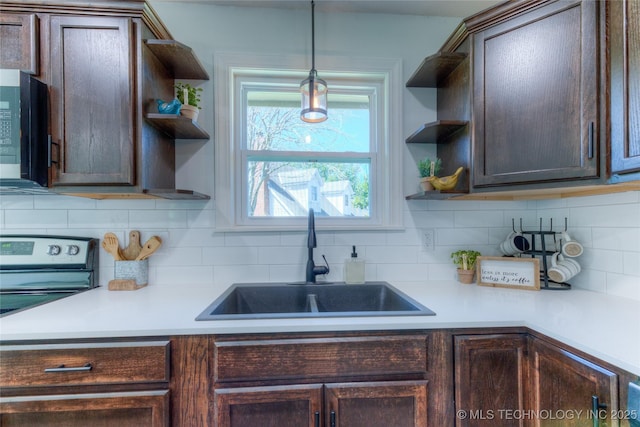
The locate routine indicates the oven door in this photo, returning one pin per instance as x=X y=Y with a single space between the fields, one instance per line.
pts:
x=20 y=290
x=15 y=301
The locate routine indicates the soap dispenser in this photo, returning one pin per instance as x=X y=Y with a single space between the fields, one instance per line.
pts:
x=354 y=269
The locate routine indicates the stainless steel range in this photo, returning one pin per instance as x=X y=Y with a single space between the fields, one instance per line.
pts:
x=38 y=269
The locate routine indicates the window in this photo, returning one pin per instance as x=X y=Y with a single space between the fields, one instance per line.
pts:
x=271 y=167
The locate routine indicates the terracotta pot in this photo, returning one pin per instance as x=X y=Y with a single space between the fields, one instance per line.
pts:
x=466 y=276
x=426 y=185
x=189 y=111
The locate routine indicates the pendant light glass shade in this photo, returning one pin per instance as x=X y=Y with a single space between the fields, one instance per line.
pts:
x=313 y=89
x=314 y=99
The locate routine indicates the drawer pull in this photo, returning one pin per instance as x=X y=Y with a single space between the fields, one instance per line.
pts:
x=63 y=368
x=591 y=140
x=596 y=410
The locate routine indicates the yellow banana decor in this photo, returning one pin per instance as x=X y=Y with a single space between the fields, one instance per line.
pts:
x=446 y=183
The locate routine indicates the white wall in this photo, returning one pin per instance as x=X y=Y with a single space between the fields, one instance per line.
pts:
x=609 y=226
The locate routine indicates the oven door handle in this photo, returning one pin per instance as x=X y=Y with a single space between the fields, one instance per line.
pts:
x=63 y=368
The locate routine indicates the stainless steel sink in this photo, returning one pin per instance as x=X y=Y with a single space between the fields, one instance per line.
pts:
x=278 y=300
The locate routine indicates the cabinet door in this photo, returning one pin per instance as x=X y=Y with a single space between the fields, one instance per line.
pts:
x=277 y=406
x=388 y=403
x=19 y=41
x=565 y=386
x=535 y=81
x=92 y=99
x=625 y=85
x=140 y=409
x=490 y=379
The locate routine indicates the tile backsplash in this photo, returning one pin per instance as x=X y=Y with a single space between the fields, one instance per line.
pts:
x=194 y=253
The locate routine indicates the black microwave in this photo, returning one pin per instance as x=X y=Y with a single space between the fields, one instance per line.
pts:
x=24 y=123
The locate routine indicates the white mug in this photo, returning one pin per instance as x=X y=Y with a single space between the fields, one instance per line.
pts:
x=515 y=243
x=562 y=269
x=571 y=263
x=570 y=247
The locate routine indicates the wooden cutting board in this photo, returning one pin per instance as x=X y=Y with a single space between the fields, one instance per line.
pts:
x=124 y=285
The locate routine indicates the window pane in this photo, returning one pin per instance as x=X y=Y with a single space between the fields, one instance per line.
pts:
x=273 y=123
x=281 y=189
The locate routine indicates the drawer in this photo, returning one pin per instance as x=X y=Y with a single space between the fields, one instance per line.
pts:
x=86 y=363
x=320 y=358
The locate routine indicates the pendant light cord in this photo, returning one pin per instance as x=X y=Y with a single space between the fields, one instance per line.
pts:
x=314 y=90
x=313 y=37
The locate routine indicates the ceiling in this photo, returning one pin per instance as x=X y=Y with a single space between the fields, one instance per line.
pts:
x=456 y=8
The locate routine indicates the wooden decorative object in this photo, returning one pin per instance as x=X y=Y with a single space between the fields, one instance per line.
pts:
x=124 y=285
x=506 y=272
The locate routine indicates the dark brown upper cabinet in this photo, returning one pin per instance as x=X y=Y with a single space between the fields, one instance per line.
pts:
x=625 y=85
x=105 y=63
x=92 y=99
x=535 y=96
x=550 y=92
x=19 y=42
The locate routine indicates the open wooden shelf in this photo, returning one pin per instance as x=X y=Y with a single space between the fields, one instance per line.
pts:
x=179 y=59
x=461 y=190
x=176 y=194
x=436 y=195
x=177 y=126
x=435 y=132
x=434 y=69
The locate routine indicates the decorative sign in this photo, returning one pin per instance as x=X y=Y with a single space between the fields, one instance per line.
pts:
x=506 y=272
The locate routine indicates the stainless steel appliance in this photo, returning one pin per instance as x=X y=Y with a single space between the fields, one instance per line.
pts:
x=24 y=139
x=38 y=269
x=633 y=405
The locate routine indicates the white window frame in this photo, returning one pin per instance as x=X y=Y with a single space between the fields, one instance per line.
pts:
x=230 y=69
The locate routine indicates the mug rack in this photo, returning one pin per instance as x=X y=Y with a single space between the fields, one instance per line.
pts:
x=540 y=236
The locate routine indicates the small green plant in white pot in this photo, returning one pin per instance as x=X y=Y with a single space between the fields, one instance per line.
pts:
x=427 y=169
x=189 y=96
x=465 y=259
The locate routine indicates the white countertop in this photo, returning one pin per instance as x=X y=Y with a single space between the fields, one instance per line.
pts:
x=604 y=326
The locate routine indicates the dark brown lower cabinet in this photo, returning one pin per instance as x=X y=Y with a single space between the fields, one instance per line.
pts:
x=281 y=406
x=569 y=390
x=490 y=379
x=366 y=404
x=80 y=384
x=328 y=380
x=139 y=409
x=524 y=380
x=384 y=403
x=441 y=378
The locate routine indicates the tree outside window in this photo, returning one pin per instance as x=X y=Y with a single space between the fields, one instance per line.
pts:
x=293 y=166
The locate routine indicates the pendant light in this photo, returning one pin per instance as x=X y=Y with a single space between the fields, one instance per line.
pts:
x=313 y=89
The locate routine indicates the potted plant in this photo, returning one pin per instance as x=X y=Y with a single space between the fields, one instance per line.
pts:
x=189 y=96
x=427 y=169
x=465 y=259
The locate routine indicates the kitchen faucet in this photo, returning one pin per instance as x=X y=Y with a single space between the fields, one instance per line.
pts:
x=312 y=269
